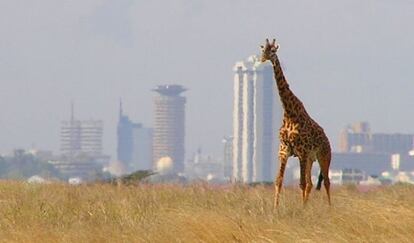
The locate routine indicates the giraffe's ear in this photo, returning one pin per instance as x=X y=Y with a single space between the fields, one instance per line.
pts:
x=277 y=47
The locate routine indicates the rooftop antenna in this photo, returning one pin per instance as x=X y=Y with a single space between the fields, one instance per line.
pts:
x=72 y=122
x=72 y=112
x=120 y=108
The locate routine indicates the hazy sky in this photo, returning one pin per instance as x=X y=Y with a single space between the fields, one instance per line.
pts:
x=347 y=60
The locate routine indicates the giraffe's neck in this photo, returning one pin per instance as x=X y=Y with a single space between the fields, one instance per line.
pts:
x=291 y=104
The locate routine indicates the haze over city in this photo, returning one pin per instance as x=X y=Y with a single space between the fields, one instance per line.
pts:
x=158 y=121
x=348 y=61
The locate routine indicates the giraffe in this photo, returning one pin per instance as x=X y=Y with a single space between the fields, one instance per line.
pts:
x=299 y=135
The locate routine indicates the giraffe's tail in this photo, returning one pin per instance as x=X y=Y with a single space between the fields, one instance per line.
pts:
x=320 y=179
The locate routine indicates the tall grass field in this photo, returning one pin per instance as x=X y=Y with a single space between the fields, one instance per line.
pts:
x=201 y=213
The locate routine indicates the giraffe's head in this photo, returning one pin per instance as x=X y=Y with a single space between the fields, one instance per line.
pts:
x=269 y=50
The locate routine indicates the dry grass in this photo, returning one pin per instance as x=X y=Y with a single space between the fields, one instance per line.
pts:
x=200 y=213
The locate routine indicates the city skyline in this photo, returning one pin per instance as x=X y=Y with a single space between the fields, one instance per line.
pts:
x=94 y=52
x=181 y=120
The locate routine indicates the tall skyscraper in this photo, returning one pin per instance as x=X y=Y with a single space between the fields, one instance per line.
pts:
x=169 y=125
x=256 y=119
x=125 y=138
x=134 y=144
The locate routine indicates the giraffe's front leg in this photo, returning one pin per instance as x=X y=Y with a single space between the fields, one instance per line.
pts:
x=283 y=157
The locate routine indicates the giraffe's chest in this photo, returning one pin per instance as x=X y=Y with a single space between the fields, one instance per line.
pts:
x=298 y=138
x=290 y=135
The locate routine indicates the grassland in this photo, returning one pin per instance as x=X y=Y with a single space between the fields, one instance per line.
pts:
x=200 y=213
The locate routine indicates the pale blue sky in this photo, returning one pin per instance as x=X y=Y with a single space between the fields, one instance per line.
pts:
x=347 y=60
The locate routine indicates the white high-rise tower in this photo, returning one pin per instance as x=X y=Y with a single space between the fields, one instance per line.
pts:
x=256 y=120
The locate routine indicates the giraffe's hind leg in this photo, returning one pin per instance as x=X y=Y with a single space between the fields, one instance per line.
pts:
x=302 y=183
x=324 y=163
x=308 y=178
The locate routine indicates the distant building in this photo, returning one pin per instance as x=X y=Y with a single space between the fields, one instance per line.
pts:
x=125 y=145
x=370 y=163
x=81 y=148
x=205 y=168
x=169 y=125
x=373 y=153
x=256 y=119
x=381 y=158
x=81 y=137
x=392 y=143
x=358 y=138
x=228 y=157
x=83 y=167
x=406 y=162
x=346 y=176
x=142 y=153
x=134 y=148
x=352 y=176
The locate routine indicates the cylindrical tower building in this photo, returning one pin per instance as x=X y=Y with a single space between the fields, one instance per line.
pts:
x=256 y=118
x=169 y=125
